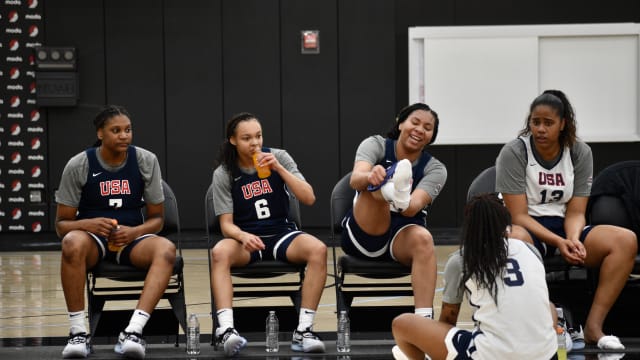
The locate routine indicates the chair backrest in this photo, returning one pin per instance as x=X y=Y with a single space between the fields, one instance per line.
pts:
x=610 y=210
x=213 y=226
x=341 y=201
x=171 y=217
x=615 y=196
x=483 y=183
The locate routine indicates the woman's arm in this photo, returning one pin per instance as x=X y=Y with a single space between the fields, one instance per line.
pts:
x=517 y=205
x=365 y=174
x=230 y=230
x=300 y=188
x=66 y=221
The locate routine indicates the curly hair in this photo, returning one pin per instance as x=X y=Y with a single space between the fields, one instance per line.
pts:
x=484 y=254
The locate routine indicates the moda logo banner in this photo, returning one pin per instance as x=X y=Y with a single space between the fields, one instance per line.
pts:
x=23 y=133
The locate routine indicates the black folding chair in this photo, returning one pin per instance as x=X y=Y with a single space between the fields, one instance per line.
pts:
x=261 y=279
x=356 y=277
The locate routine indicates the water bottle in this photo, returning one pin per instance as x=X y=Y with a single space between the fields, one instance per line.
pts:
x=193 y=335
x=343 y=343
x=562 y=344
x=271 y=332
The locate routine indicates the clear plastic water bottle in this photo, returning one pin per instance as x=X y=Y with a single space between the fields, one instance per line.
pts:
x=193 y=335
x=562 y=345
x=271 y=332
x=343 y=342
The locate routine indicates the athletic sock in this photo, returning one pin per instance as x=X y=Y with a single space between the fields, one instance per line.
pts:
x=426 y=312
x=76 y=321
x=306 y=319
x=225 y=318
x=138 y=321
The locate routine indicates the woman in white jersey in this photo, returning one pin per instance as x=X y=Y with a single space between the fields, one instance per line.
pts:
x=545 y=178
x=506 y=285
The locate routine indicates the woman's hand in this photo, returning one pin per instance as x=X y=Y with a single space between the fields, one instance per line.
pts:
x=251 y=242
x=100 y=226
x=122 y=235
x=268 y=160
x=573 y=251
x=377 y=175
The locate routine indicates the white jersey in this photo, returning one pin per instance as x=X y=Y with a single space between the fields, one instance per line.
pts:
x=548 y=189
x=522 y=317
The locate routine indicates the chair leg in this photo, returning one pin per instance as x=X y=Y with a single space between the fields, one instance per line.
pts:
x=95 y=312
x=179 y=308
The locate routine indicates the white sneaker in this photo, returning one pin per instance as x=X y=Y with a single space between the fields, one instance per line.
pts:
x=231 y=340
x=78 y=346
x=577 y=337
x=397 y=189
x=568 y=337
x=307 y=341
x=131 y=345
x=399 y=355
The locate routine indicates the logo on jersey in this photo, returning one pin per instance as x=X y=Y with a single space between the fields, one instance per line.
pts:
x=115 y=187
x=256 y=188
x=550 y=179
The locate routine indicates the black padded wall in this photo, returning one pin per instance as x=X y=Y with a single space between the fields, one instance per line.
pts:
x=71 y=130
x=309 y=101
x=135 y=68
x=251 y=63
x=183 y=68
x=193 y=95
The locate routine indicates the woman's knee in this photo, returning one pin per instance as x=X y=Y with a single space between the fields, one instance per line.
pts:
x=220 y=254
x=628 y=241
x=74 y=244
x=318 y=252
x=169 y=251
x=422 y=242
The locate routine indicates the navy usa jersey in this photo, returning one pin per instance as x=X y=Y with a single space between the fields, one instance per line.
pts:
x=116 y=194
x=261 y=206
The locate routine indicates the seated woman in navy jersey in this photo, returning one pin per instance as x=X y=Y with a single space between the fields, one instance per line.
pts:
x=102 y=193
x=252 y=209
x=396 y=180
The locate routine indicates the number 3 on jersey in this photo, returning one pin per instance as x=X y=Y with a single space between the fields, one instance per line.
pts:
x=514 y=275
x=262 y=209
